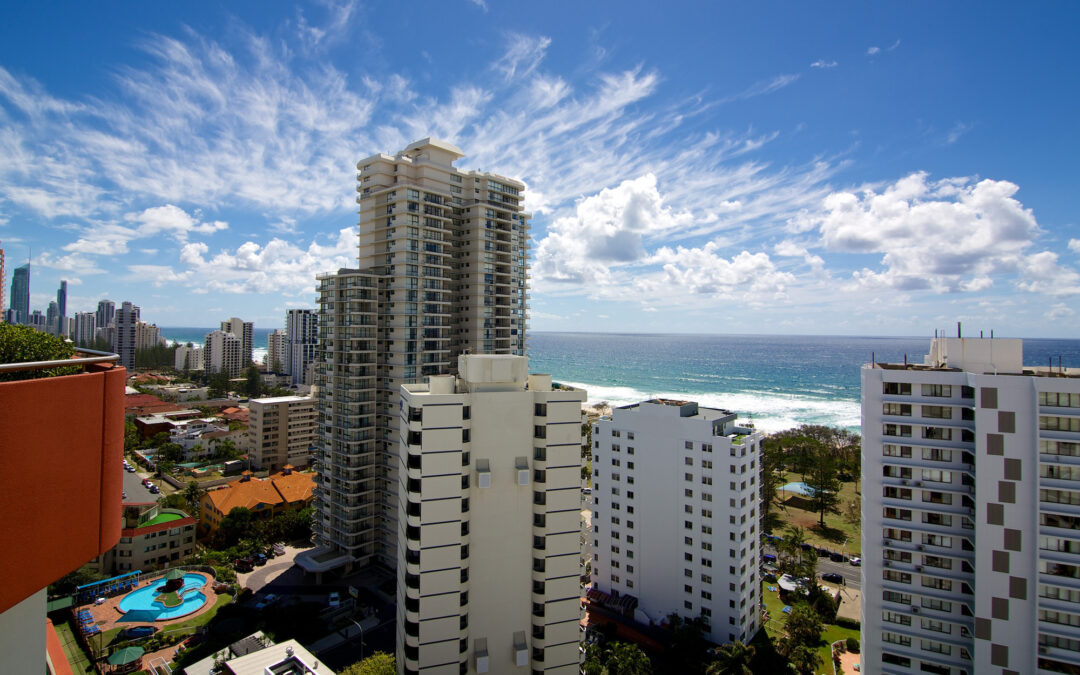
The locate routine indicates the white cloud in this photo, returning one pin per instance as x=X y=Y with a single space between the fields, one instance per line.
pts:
x=958 y=130
x=702 y=271
x=1060 y=311
x=523 y=54
x=954 y=234
x=481 y=4
x=1074 y=245
x=822 y=63
x=873 y=50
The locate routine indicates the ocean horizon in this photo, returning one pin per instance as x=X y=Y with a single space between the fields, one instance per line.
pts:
x=778 y=381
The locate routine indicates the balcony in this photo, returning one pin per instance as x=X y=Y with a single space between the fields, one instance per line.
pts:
x=77 y=422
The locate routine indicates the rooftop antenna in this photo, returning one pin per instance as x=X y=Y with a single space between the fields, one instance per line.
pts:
x=958 y=329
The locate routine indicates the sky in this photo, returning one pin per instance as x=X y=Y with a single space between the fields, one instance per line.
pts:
x=796 y=168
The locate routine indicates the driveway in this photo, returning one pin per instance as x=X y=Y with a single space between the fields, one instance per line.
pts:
x=258 y=578
x=136 y=493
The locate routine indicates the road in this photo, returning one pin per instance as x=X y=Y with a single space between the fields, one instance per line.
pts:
x=136 y=493
x=852 y=575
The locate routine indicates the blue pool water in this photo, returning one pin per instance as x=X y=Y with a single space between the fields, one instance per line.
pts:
x=799 y=488
x=140 y=605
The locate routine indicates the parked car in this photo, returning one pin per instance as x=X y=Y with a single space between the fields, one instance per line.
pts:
x=123 y=494
x=768 y=557
x=832 y=577
x=856 y=562
x=837 y=557
x=154 y=489
x=278 y=549
x=260 y=559
x=146 y=482
x=335 y=599
x=130 y=469
x=243 y=564
x=266 y=601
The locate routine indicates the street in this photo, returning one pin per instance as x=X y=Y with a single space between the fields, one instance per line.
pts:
x=852 y=575
x=136 y=493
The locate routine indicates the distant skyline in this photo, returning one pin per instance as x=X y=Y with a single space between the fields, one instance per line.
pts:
x=846 y=169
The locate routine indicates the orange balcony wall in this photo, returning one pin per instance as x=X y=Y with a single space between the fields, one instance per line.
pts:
x=61 y=476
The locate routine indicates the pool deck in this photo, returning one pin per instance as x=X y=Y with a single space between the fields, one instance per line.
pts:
x=108 y=614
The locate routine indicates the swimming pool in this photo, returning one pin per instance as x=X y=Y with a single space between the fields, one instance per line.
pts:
x=799 y=488
x=141 y=605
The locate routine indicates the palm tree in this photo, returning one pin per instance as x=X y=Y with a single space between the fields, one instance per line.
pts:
x=193 y=494
x=732 y=659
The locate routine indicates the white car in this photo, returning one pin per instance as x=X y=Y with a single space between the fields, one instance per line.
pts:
x=857 y=562
x=335 y=599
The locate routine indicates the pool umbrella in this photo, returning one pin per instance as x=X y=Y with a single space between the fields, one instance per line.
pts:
x=125 y=656
x=174 y=574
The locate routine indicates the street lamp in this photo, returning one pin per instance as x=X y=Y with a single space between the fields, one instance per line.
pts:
x=361 y=637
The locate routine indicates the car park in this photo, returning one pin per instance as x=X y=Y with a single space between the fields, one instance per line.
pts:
x=856 y=562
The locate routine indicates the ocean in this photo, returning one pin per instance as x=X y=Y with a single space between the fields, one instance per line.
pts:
x=778 y=381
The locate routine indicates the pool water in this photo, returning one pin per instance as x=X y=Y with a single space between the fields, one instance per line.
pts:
x=139 y=605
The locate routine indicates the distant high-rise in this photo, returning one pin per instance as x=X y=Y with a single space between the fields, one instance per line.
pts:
x=52 y=319
x=147 y=335
x=301 y=335
x=124 y=340
x=106 y=309
x=61 y=307
x=442 y=272
x=20 y=293
x=3 y=284
x=189 y=358
x=37 y=321
x=85 y=328
x=275 y=351
x=222 y=353
x=245 y=332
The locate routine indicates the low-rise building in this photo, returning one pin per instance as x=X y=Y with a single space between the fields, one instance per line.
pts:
x=287 y=491
x=257 y=654
x=152 y=537
x=282 y=431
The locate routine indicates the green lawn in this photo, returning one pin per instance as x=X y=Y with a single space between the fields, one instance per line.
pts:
x=79 y=660
x=796 y=510
x=774 y=628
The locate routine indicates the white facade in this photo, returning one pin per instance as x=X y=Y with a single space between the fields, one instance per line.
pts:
x=676 y=512
x=147 y=335
x=85 y=327
x=489 y=569
x=301 y=335
x=189 y=358
x=245 y=332
x=282 y=431
x=275 y=352
x=971 y=510
x=222 y=353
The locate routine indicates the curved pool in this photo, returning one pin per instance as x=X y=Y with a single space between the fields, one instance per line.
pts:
x=142 y=605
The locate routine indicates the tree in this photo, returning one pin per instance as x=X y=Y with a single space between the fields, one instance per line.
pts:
x=628 y=659
x=225 y=450
x=804 y=625
x=772 y=471
x=219 y=385
x=802 y=659
x=732 y=659
x=379 y=663
x=70 y=581
x=193 y=494
x=253 y=386
x=823 y=481
x=235 y=524
x=686 y=645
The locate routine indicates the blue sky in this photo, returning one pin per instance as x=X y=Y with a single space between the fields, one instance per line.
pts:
x=837 y=168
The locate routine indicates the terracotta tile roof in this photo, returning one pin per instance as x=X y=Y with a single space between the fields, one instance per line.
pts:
x=145 y=404
x=248 y=494
x=294 y=487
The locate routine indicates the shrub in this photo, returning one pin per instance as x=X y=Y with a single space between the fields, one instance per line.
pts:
x=845 y=622
x=853 y=645
x=22 y=343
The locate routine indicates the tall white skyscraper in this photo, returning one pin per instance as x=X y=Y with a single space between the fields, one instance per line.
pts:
x=124 y=339
x=275 y=351
x=245 y=332
x=222 y=353
x=971 y=513
x=443 y=252
x=489 y=570
x=301 y=331
x=85 y=328
x=675 y=515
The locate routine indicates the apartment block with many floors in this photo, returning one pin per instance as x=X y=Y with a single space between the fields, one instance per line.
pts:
x=446 y=251
x=125 y=338
x=282 y=431
x=245 y=332
x=971 y=508
x=489 y=506
x=676 y=514
x=223 y=352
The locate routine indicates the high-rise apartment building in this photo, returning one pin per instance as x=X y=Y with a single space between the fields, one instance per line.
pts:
x=301 y=331
x=245 y=331
x=3 y=285
x=147 y=335
x=124 y=340
x=106 y=311
x=61 y=307
x=189 y=358
x=52 y=319
x=275 y=351
x=971 y=513
x=676 y=513
x=85 y=328
x=446 y=251
x=281 y=431
x=223 y=353
x=20 y=293
x=489 y=502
